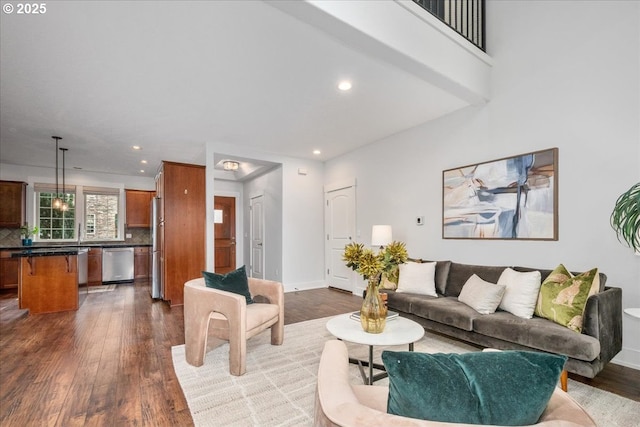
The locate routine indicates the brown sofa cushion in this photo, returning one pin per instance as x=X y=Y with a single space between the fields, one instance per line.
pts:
x=460 y=273
x=538 y=333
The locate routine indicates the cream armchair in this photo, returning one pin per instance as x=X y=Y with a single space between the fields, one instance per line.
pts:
x=340 y=403
x=213 y=317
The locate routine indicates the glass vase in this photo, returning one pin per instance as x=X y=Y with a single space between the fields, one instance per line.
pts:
x=373 y=314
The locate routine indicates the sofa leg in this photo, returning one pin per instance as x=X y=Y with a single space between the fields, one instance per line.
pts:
x=564 y=375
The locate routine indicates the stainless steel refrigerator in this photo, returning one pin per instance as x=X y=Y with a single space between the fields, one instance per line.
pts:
x=157 y=284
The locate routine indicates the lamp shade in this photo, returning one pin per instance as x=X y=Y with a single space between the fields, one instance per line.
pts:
x=381 y=235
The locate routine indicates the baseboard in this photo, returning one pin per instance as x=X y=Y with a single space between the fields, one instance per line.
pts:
x=628 y=357
x=304 y=286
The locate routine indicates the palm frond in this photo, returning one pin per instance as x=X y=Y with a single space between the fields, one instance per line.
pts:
x=625 y=218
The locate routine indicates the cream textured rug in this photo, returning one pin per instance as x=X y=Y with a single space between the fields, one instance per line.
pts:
x=278 y=388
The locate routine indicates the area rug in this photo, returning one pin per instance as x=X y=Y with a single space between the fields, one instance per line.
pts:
x=278 y=388
x=101 y=288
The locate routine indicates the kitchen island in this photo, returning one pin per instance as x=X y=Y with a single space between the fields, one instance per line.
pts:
x=49 y=279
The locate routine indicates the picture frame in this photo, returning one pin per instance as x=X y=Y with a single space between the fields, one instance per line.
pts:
x=511 y=198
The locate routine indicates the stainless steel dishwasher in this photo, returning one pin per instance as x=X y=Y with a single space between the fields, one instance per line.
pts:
x=117 y=265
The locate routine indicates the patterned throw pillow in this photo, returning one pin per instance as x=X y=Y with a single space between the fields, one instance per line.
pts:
x=563 y=296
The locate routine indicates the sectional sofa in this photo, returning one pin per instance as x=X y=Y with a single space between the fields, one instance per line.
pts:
x=588 y=351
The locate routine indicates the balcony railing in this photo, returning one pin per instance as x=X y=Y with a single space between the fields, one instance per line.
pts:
x=464 y=16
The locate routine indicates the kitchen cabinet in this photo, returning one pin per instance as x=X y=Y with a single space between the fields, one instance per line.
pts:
x=49 y=283
x=141 y=260
x=14 y=198
x=181 y=189
x=9 y=270
x=138 y=208
x=94 y=266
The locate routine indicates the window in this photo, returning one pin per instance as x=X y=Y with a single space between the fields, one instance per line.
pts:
x=90 y=229
x=101 y=207
x=96 y=208
x=55 y=224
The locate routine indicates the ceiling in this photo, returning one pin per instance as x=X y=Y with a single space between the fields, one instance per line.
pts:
x=171 y=76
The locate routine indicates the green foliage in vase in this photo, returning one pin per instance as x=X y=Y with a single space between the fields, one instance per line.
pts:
x=27 y=231
x=371 y=265
x=625 y=218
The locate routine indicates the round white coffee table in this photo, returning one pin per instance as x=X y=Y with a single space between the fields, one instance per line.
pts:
x=398 y=331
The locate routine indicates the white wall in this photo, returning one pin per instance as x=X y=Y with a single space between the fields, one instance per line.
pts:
x=32 y=175
x=301 y=226
x=269 y=186
x=566 y=75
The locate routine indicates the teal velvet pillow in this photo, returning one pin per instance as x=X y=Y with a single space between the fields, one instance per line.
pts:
x=499 y=388
x=235 y=281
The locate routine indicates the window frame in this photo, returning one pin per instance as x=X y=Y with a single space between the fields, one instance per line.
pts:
x=35 y=188
x=48 y=188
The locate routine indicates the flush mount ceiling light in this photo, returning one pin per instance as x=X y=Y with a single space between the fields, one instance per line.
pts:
x=230 y=165
x=136 y=147
x=344 y=85
x=316 y=152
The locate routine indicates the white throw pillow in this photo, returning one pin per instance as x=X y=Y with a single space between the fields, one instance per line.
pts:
x=418 y=278
x=484 y=297
x=521 y=292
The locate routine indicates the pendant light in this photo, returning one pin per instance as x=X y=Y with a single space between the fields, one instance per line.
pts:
x=65 y=205
x=57 y=202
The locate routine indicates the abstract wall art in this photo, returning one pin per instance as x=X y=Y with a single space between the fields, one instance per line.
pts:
x=509 y=198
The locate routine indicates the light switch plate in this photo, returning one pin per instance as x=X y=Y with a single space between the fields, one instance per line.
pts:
x=420 y=220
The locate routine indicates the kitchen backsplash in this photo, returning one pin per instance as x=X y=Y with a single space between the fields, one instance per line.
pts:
x=12 y=237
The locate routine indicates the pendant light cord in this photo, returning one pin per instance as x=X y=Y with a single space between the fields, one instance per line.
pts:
x=57 y=138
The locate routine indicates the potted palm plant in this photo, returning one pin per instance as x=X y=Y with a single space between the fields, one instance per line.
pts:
x=27 y=233
x=625 y=218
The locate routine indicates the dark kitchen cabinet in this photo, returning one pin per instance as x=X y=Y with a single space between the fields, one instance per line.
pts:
x=141 y=259
x=14 y=198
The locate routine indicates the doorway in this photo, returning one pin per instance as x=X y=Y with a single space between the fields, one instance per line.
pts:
x=256 y=208
x=224 y=234
x=339 y=219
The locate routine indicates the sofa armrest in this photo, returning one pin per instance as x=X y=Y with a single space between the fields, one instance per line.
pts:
x=602 y=319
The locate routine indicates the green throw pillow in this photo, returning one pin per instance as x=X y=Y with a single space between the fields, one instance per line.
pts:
x=235 y=281
x=563 y=296
x=498 y=388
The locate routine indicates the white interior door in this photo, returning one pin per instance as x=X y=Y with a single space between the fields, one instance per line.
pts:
x=256 y=208
x=340 y=219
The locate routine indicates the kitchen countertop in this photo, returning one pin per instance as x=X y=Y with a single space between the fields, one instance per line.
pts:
x=45 y=252
x=72 y=247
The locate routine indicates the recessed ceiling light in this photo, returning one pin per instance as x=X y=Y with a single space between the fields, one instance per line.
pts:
x=344 y=85
x=316 y=152
x=141 y=170
x=144 y=162
x=136 y=147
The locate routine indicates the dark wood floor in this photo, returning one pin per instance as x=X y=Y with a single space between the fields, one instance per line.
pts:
x=110 y=364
